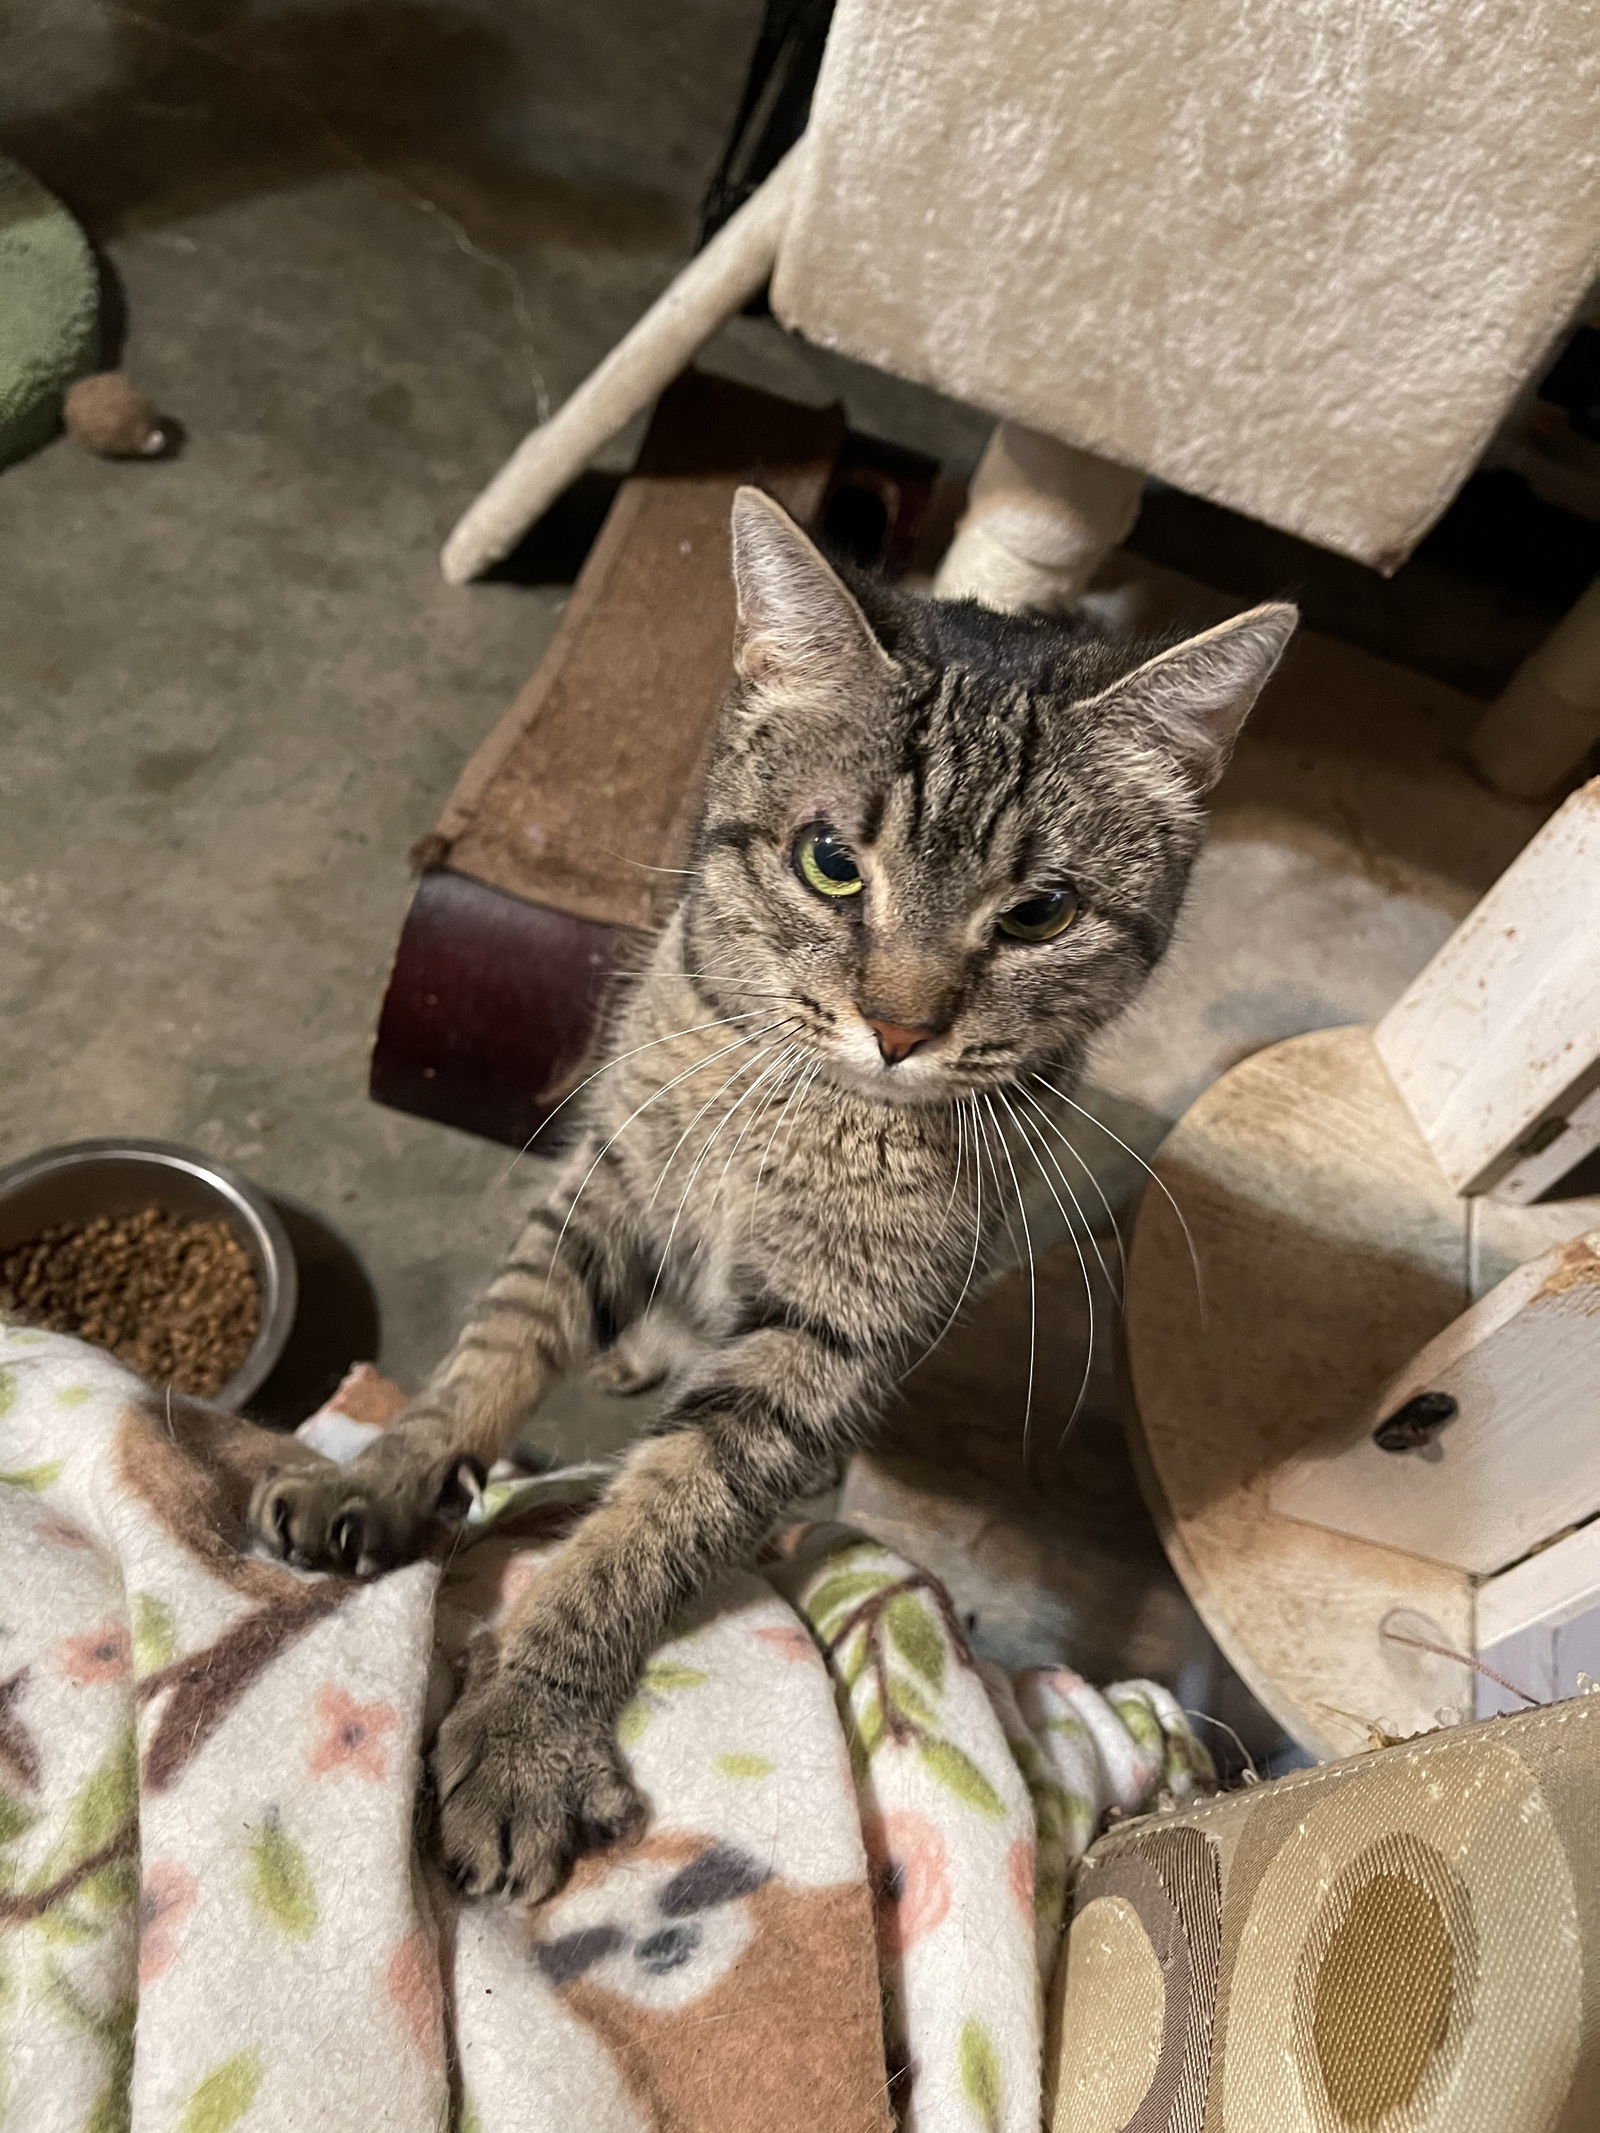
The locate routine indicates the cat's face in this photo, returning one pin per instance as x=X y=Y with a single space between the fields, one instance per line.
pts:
x=940 y=854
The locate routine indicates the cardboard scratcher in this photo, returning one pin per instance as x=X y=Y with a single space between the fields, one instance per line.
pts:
x=544 y=866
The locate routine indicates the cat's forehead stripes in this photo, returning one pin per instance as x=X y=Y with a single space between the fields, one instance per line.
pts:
x=968 y=759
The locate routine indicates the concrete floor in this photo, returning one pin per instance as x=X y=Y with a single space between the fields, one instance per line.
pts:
x=233 y=688
x=358 y=246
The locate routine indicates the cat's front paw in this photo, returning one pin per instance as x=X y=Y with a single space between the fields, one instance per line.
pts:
x=384 y=1508
x=523 y=1788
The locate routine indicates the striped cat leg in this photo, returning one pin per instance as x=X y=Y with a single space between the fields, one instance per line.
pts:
x=552 y=1302
x=526 y=1765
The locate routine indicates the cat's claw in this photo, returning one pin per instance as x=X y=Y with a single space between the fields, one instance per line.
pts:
x=362 y=1518
x=625 y=1375
x=523 y=1789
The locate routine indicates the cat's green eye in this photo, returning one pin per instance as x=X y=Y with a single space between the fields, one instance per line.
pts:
x=1041 y=918
x=824 y=861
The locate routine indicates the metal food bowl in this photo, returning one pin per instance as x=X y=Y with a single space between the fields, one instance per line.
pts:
x=83 y=1179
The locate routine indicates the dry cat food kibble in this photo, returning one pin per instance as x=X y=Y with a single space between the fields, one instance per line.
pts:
x=177 y=1301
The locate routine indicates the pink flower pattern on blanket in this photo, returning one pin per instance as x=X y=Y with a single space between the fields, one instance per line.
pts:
x=63 y=1532
x=104 y=1654
x=354 y=1735
x=910 y=1878
x=166 y=1897
x=789 y=1641
x=414 y=1986
x=1020 y=1865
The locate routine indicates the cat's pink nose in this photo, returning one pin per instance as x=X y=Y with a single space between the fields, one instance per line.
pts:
x=898 y=1040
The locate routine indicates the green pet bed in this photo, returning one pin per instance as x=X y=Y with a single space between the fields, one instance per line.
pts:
x=49 y=311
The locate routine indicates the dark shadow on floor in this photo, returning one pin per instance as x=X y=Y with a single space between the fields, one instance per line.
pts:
x=211 y=104
x=1481 y=591
x=336 y=1323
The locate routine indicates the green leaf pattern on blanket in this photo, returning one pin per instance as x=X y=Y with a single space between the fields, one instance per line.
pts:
x=8 y=1391
x=980 y=2073
x=954 y=1768
x=32 y=1478
x=112 y=2109
x=108 y=1801
x=916 y=1638
x=88 y=1877
x=113 y=2032
x=224 y=2096
x=1178 y=1751
x=891 y=1640
x=742 y=1765
x=662 y=1678
x=155 y=1634
x=836 y=1595
x=15 y=1821
x=280 y=1881
x=1063 y=1826
x=85 y=1916
x=1144 y=1729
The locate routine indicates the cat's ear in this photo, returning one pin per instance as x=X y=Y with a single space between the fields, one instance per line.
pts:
x=1199 y=694
x=799 y=625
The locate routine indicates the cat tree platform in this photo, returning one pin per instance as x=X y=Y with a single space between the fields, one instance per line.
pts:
x=1333 y=1248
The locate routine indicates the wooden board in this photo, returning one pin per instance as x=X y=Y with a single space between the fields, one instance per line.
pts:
x=1517 y=1464
x=1547 y=1590
x=1496 y=1044
x=1331 y=1248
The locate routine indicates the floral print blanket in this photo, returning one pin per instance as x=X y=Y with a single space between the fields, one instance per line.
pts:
x=216 y=1903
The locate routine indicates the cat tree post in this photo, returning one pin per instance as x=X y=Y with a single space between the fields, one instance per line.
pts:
x=1548 y=718
x=1041 y=518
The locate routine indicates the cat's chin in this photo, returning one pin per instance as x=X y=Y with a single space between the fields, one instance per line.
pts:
x=904 y=1090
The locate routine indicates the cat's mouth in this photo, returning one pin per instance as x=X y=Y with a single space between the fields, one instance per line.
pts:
x=889 y=1062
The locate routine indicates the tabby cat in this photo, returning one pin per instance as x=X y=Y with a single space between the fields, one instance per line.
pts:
x=939 y=849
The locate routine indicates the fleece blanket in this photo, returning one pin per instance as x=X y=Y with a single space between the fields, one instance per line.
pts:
x=216 y=1902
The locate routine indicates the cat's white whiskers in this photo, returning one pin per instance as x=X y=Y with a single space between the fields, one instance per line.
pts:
x=719 y=1022
x=783 y=1066
x=705 y=1150
x=1158 y=1182
x=955 y=1175
x=699 y=1066
x=743 y=1068
x=1083 y=1269
x=1045 y=1150
x=771 y=992
x=963 y=1103
x=644 y=866
x=1088 y=1170
x=1033 y=1286
x=1000 y=1200
x=797 y=1096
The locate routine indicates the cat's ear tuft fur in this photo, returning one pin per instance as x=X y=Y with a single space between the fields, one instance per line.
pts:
x=1199 y=694
x=799 y=625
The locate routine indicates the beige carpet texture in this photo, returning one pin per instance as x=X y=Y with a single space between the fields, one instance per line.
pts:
x=1296 y=256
